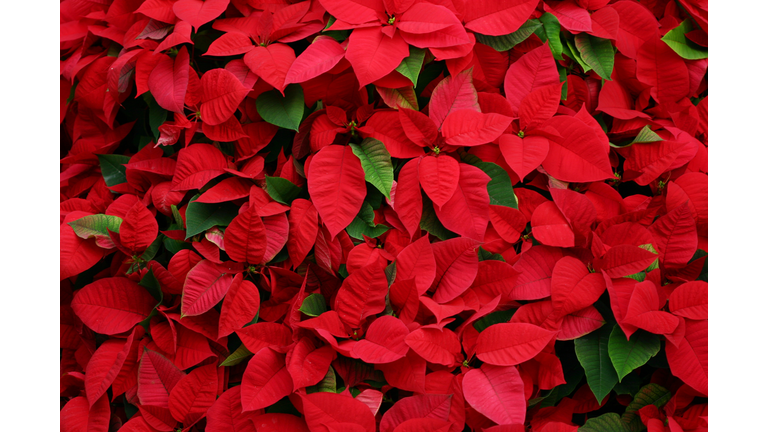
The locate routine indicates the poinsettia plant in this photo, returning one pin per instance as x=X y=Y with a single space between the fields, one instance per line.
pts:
x=384 y=215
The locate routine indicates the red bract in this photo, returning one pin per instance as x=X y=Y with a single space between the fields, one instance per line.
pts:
x=393 y=215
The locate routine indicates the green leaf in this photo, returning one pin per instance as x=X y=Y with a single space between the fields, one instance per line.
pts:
x=609 y=422
x=313 y=305
x=113 y=168
x=363 y=224
x=410 y=67
x=507 y=42
x=655 y=264
x=153 y=248
x=157 y=115
x=431 y=223
x=285 y=112
x=96 y=225
x=201 y=216
x=377 y=164
x=651 y=394
x=628 y=355
x=237 y=357
x=638 y=276
x=573 y=53
x=551 y=29
x=282 y=190
x=484 y=255
x=629 y=385
x=646 y=135
x=492 y=318
x=177 y=217
x=572 y=371
x=328 y=383
x=686 y=49
x=390 y=272
x=704 y=275
x=499 y=188
x=598 y=53
x=592 y=352
x=150 y=282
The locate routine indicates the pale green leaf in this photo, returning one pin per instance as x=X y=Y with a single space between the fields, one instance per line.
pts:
x=410 y=67
x=686 y=49
x=313 y=305
x=598 y=53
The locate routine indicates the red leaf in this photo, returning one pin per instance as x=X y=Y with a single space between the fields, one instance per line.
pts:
x=271 y=63
x=404 y=297
x=539 y=106
x=74 y=416
x=579 y=155
x=383 y=343
x=336 y=183
x=239 y=307
x=222 y=93
x=385 y=127
x=352 y=11
x=580 y=323
x=456 y=267
x=139 y=228
x=303 y=230
x=230 y=44
x=105 y=364
x=452 y=94
x=424 y=406
x=571 y=17
x=636 y=26
x=229 y=189
x=675 y=236
x=578 y=211
x=157 y=378
x=337 y=411
x=523 y=155
x=439 y=177
x=418 y=127
x=426 y=25
x=616 y=101
x=550 y=227
x=261 y=335
x=467 y=127
x=406 y=373
x=654 y=57
x=574 y=287
x=511 y=343
x=416 y=261
x=112 y=305
x=230 y=130
x=307 y=364
x=266 y=380
x=435 y=346
x=321 y=56
x=373 y=55
x=361 y=295
x=690 y=300
x=196 y=165
x=643 y=310
x=466 y=212
x=494 y=279
x=199 y=12
x=691 y=189
x=194 y=394
x=76 y=255
x=226 y=414
x=245 y=239
x=423 y=425
x=406 y=196
x=689 y=360
x=168 y=81
x=533 y=70
x=205 y=286
x=496 y=392
x=624 y=260
x=498 y=18
x=509 y=223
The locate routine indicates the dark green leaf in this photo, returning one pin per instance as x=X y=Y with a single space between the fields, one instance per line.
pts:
x=592 y=352
x=150 y=282
x=285 y=112
x=573 y=53
x=484 y=255
x=507 y=42
x=651 y=394
x=551 y=29
x=313 y=305
x=492 y=318
x=628 y=355
x=282 y=190
x=609 y=422
x=411 y=65
x=157 y=116
x=499 y=188
x=113 y=168
x=598 y=53
x=363 y=224
x=237 y=357
x=201 y=216
x=377 y=164
x=431 y=223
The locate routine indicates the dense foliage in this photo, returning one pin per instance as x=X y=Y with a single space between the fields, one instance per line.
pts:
x=384 y=215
